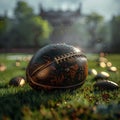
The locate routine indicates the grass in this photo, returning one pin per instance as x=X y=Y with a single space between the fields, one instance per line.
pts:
x=24 y=103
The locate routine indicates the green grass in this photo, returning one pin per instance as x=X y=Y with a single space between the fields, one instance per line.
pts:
x=18 y=103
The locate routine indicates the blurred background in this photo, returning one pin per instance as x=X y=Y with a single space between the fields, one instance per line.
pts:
x=27 y=25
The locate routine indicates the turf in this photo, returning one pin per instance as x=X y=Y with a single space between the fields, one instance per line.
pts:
x=24 y=103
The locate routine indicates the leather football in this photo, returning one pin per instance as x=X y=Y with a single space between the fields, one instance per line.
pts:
x=17 y=81
x=105 y=85
x=57 y=66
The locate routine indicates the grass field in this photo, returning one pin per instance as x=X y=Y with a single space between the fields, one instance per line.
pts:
x=83 y=103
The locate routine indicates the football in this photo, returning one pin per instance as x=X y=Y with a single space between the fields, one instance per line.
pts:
x=106 y=85
x=102 y=75
x=92 y=72
x=57 y=66
x=17 y=81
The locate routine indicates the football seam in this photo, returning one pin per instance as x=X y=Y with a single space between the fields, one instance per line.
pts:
x=60 y=59
x=54 y=87
x=67 y=56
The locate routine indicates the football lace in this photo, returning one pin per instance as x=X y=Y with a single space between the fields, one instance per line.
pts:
x=59 y=59
x=67 y=56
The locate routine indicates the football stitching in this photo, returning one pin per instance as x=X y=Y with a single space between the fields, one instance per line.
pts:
x=60 y=59
x=54 y=87
x=67 y=56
